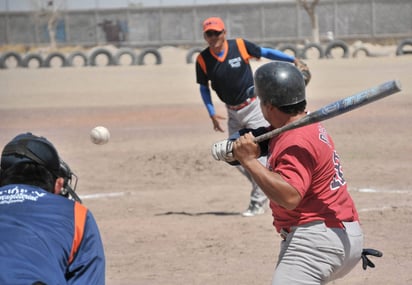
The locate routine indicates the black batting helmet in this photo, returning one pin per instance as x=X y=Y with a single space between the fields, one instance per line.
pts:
x=279 y=83
x=28 y=148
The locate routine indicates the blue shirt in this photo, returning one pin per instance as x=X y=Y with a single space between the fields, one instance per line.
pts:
x=37 y=232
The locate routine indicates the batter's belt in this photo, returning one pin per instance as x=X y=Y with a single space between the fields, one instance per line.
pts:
x=330 y=224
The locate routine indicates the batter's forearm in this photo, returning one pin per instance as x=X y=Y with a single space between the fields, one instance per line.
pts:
x=275 y=188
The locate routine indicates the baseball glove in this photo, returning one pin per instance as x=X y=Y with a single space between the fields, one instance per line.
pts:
x=304 y=69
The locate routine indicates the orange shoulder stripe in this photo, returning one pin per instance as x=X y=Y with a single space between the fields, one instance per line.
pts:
x=202 y=63
x=80 y=214
x=242 y=49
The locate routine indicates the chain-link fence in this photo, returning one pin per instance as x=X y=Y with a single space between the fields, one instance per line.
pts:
x=139 y=25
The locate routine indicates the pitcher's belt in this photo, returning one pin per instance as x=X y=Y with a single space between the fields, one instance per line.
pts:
x=241 y=105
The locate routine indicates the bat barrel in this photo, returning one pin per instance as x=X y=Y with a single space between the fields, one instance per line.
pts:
x=362 y=98
x=338 y=107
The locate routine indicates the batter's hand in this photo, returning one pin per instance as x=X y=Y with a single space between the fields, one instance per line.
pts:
x=216 y=124
x=245 y=148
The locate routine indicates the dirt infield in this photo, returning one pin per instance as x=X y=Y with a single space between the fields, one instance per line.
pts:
x=168 y=213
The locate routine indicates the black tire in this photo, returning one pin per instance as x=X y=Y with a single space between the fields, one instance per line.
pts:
x=47 y=61
x=191 y=52
x=125 y=51
x=32 y=57
x=142 y=55
x=289 y=47
x=5 y=56
x=361 y=50
x=303 y=53
x=77 y=54
x=400 y=49
x=99 y=51
x=337 y=44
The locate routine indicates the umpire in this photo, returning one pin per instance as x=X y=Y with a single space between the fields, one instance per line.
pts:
x=46 y=237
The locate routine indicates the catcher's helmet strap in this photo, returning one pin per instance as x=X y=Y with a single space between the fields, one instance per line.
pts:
x=20 y=149
x=68 y=191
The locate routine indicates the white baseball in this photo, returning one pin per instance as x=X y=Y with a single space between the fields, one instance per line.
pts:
x=100 y=135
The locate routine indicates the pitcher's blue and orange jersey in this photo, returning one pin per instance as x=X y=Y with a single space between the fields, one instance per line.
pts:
x=47 y=238
x=231 y=74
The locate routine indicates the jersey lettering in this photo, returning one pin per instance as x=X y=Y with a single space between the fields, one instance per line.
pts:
x=235 y=62
x=323 y=136
x=338 y=179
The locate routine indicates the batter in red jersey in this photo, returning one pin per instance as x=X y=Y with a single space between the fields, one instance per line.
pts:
x=311 y=207
x=306 y=159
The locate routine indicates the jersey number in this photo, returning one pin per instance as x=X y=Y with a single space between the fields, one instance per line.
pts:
x=338 y=179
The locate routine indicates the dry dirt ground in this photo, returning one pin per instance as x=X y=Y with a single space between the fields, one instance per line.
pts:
x=168 y=213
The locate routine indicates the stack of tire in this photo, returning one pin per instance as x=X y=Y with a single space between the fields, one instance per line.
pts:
x=295 y=51
x=332 y=48
x=97 y=57
x=127 y=56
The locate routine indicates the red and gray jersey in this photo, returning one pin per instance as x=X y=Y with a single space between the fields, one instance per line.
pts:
x=306 y=159
x=47 y=238
x=231 y=74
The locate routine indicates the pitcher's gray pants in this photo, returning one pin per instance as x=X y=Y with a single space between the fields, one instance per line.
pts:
x=249 y=117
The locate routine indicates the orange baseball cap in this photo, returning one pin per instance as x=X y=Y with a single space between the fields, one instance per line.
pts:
x=213 y=23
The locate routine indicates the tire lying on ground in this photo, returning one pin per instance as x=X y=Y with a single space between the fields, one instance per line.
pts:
x=400 y=48
x=311 y=46
x=125 y=53
x=74 y=56
x=52 y=56
x=32 y=57
x=191 y=52
x=145 y=52
x=337 y=44
x=10 y=54
x=361 y=50
x=101 y=51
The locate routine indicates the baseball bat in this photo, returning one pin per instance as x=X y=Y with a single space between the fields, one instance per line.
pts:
x=337 y=108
